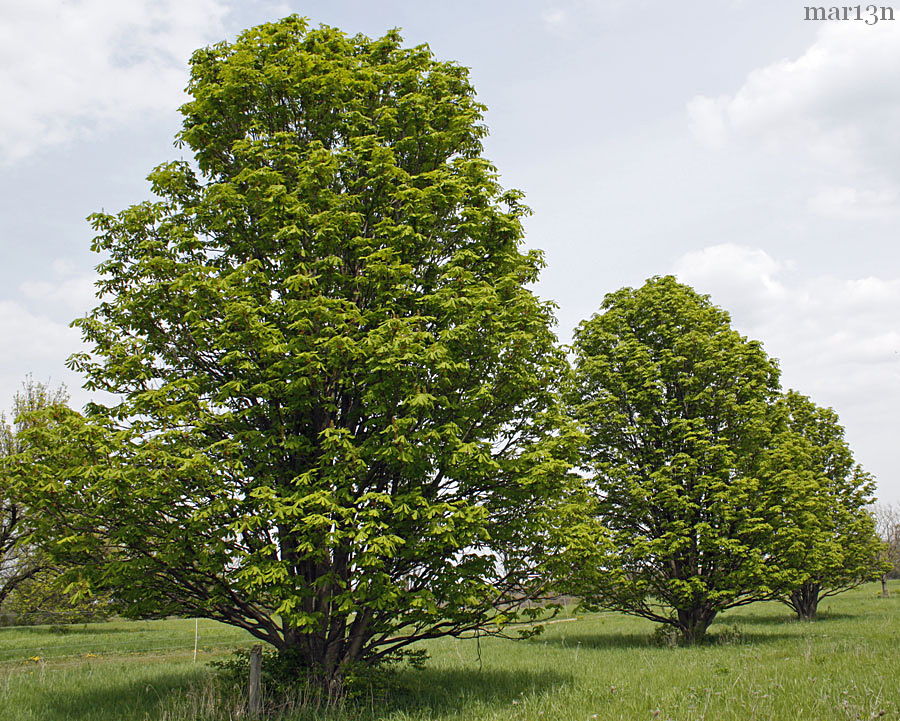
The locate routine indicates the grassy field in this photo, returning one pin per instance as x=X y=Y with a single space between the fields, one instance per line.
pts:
x=759 y=665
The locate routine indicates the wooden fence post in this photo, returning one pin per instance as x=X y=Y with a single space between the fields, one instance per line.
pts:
x=254 y=701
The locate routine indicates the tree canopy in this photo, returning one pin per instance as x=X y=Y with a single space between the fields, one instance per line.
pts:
x=21 y=559
x=886 y=517
x=337 y=422
x=832 y=546
x=677 y=410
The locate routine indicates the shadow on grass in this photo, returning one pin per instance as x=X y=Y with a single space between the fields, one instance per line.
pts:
x=717 y=637
x=781 y=619
x=422 y=694
x=437 y=693
x=597 y=640
x=113 y=701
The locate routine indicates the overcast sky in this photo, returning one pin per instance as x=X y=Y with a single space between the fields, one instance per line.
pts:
x=748 y=151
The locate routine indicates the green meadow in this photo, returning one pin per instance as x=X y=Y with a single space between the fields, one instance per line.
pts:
x=759 y=665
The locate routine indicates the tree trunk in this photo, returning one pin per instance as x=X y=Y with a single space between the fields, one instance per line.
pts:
x=884 y=590
x=693 y=622
x=323 y=656
x=308 y=656
x=805 y=601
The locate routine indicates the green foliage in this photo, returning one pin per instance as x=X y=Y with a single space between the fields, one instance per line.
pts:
x=337 y=426
x=677 y=408
x=22 y=558
x=832 y=544
x=50 y=598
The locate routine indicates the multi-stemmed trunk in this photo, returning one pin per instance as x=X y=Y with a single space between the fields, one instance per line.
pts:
x=324 y=653
x=693 y=622
x=325 y=660
x=805 y=601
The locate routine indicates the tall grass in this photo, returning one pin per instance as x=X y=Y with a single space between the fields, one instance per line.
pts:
x=760 y=665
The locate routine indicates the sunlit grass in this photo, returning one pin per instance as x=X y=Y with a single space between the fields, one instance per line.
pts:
x=49 y=643
x=761 y=665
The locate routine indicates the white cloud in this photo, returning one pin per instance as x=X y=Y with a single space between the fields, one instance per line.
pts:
x=565 y=15
x=849 y=203
x=35 y=335
x=76 y=293
x=825 y=321
x=74 y=67
x=749 y=274
x=841 y=89
x=838 y=339
x=833 y=108
x=36 y=344
x=29 y=337
x=708 y=118
x=554 y=18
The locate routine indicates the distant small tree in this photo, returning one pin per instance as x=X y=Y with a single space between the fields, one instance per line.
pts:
x=51 y=596
x=832 y=545
x=20 y=559
x=887 y=524
x=676 y=406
